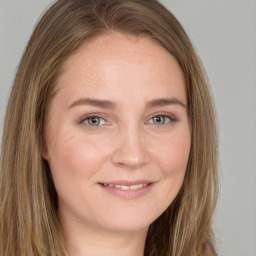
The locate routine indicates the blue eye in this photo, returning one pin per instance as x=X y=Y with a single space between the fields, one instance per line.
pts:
x=161 y=120
x=94 y=121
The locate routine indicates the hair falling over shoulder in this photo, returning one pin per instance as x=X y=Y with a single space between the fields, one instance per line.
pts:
x=28 y=219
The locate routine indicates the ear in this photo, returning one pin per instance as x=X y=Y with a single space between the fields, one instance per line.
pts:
x=44 y=151
x=45 y=155
x=209 y=249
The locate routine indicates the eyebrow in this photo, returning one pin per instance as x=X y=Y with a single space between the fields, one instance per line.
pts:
x=93 y=102
x=111 y=105
x=165 y=102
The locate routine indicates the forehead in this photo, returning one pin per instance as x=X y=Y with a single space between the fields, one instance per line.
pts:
x=122 y=62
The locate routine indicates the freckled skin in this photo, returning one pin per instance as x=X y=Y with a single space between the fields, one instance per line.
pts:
x=128 y=71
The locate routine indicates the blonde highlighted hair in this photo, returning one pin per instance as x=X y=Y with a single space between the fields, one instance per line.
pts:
x=28 y=219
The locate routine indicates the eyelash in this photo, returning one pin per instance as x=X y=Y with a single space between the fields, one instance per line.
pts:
x=84 y=120
x=171 y=118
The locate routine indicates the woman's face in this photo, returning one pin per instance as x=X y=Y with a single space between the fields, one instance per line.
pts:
x=117 y=134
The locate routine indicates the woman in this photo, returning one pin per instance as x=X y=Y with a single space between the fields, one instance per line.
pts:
x=109 y=143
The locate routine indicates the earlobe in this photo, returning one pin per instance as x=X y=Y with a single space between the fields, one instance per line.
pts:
x=209 y=249
x=44 y=156
x=44 y=152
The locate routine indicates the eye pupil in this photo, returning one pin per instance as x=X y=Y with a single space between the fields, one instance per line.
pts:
x=94 y=121
x=159 y=120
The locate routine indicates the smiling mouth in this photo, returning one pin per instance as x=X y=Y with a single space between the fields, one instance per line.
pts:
x=127 y=189
x=124 y=187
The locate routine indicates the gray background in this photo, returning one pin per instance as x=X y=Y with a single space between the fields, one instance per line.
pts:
x=224 y=35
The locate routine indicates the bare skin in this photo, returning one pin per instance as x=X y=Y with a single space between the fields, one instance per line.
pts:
x=118 y=141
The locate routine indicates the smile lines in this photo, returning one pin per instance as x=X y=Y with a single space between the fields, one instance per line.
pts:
x=123 y=187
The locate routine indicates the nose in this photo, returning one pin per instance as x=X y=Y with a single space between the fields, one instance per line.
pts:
x=131 y=150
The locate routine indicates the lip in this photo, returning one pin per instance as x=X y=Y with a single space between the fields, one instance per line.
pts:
x=127 y=182
x=128 y=193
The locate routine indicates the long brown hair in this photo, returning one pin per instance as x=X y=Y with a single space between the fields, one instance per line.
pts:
x=28 y=219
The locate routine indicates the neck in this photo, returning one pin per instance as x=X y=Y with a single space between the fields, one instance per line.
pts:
x=108 y=243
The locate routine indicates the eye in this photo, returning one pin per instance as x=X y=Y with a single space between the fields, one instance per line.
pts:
x=94 y=121
x=161 y=119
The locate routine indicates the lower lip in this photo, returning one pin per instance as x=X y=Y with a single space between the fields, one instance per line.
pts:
x=128 y=194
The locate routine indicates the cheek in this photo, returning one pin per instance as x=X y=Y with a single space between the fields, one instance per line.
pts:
x=74 y=158
x=173 y=155
x=171 y=158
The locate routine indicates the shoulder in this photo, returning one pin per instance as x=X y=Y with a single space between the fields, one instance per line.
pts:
x=209 y=249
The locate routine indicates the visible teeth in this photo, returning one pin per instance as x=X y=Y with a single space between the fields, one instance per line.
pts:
x=134 y=187
x=140 y=185
x=123 y=187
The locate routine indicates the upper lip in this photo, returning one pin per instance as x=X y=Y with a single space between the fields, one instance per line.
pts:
x=127 y=182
